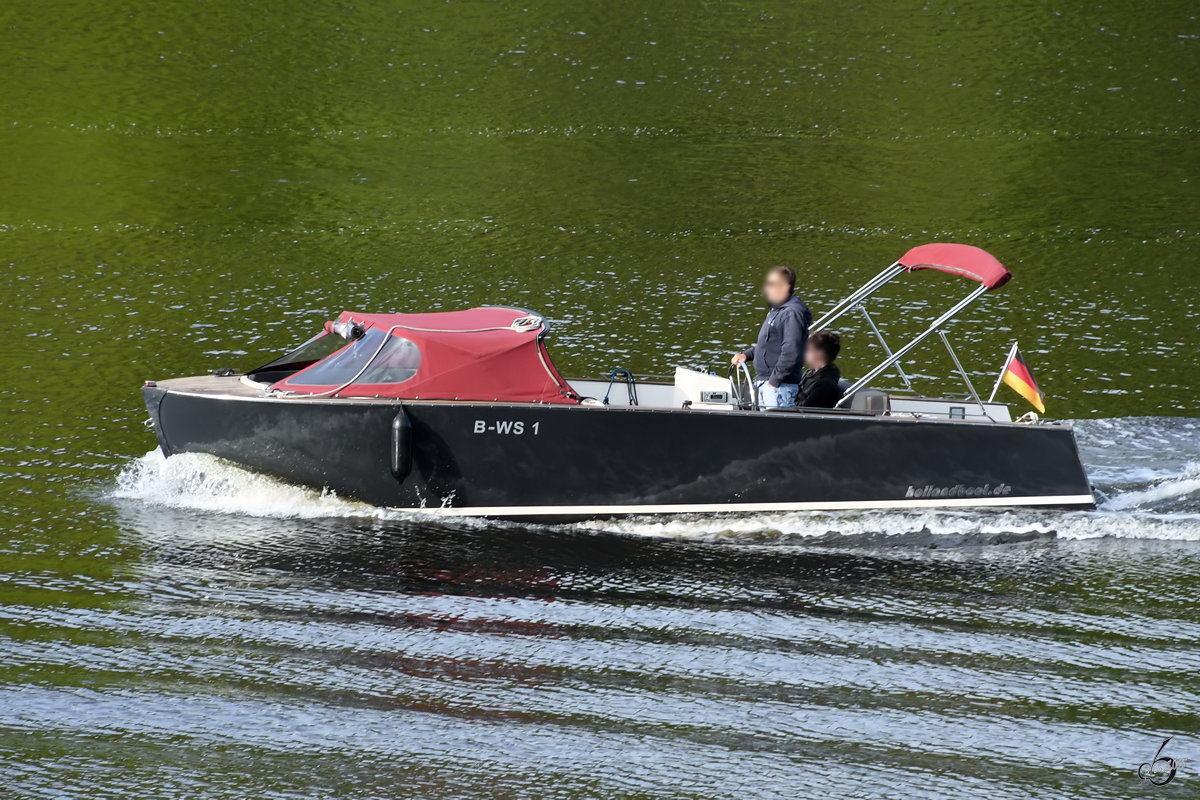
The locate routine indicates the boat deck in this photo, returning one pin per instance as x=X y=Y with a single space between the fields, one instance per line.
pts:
x=651 y=396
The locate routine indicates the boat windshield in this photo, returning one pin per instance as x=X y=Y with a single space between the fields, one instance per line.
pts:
x=397 y=361
x=318 y=347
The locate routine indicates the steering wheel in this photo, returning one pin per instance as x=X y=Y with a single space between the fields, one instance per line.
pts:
x=742 y=388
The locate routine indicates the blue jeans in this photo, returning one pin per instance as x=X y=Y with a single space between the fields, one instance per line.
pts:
x=781 y=396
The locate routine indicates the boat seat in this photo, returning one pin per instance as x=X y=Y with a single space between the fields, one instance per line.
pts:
x=869 y=400
x=872 y=401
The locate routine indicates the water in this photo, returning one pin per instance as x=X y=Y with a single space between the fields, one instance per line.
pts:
x=189 y=187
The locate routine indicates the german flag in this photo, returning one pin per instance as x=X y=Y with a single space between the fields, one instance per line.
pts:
x=1018 y=377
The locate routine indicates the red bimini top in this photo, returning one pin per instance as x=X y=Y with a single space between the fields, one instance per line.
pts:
x=490 y=353
x=958 y=259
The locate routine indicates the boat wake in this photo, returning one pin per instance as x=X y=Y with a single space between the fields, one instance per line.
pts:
x=206 y=483
x=927 y=529
x=1147 y=471
x=1160 y=494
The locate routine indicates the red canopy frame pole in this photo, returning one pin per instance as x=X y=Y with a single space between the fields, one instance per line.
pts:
x=933 y=328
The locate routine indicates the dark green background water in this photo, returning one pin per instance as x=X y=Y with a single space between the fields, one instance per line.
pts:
x=186 y=185
x=198 y=180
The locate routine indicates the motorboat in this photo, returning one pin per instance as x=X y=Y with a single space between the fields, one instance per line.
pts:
x=463 y=413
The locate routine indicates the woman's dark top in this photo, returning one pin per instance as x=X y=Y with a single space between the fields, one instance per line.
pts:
x=819 y=387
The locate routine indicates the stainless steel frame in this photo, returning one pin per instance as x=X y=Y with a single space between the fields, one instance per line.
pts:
x=962 y=372
x=858 y=298
x=886 y=349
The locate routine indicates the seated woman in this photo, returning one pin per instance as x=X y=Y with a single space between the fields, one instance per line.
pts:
x=819 y=385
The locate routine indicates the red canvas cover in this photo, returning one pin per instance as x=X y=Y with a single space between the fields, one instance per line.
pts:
x=958 y=259
x=489 y=353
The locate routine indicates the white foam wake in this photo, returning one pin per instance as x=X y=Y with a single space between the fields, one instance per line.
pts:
x=925 y=527
x=1160 y=493
x=205 y=483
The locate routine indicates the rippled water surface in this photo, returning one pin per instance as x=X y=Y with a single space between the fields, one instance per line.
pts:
x=190 y=186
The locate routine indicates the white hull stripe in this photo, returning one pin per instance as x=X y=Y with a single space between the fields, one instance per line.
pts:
x=717 y=508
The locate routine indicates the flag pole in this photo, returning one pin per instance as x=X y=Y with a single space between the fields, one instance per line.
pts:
x=1012 y=352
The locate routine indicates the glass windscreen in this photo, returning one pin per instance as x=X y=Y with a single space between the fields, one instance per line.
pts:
x=397 y=362
x=318 y=347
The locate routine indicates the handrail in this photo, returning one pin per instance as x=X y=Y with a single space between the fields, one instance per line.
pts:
x=630 y=386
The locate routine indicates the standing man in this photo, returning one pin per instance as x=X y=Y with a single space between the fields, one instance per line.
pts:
x=778 y=355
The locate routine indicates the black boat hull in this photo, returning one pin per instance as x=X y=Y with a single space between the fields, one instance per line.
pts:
x=558 y=462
